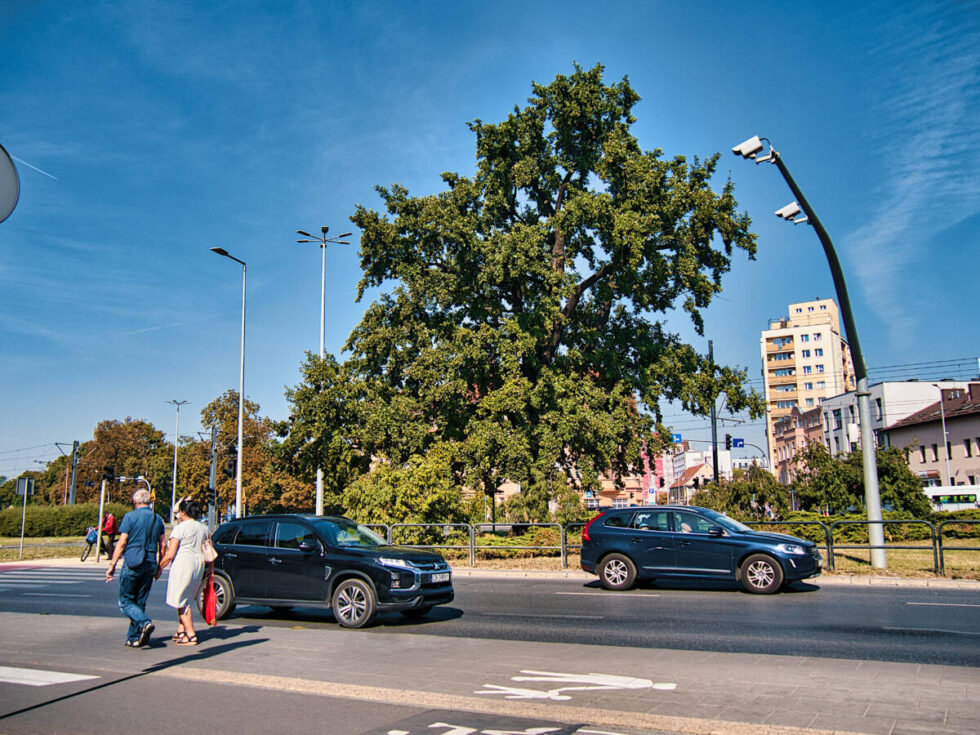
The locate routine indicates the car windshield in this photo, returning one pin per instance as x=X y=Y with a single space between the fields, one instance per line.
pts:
x=722 y=520
x=348 y=533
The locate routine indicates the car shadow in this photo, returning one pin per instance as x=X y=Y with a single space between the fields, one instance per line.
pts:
x=705 y=585
x=323 y=616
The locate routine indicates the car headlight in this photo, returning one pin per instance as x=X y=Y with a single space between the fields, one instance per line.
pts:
x=790 y=549
x=401 y=563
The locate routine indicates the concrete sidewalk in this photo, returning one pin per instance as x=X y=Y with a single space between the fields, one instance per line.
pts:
x=640 y=688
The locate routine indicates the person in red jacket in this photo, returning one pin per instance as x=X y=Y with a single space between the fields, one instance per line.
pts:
x=110 y=529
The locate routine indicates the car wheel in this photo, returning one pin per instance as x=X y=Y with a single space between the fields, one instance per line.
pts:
x=617 y=572
x=417 y=612
x=353 y=603
x=761 y=574
x=224 y=596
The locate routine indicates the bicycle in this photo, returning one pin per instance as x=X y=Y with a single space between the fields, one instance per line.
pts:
x=108 y=543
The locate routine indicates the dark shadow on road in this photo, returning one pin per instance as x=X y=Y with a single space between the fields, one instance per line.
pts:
x=703 y=585
x=323 y=616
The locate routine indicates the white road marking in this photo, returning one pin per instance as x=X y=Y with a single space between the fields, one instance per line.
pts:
x=932 y=630
x=37 y=677
x=608 y=594
x=541 y=615
x=52 y=594
x=943 y=604
x=587 y=682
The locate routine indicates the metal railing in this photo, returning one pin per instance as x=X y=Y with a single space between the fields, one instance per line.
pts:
x=444 y=526
x=942 y=549
x=560 y=548
x=887 y=547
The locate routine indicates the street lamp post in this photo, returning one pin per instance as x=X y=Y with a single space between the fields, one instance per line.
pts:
x=173 y=494
x=322 y=242
x=942 y=413
x=749 y=150
x=241 y=391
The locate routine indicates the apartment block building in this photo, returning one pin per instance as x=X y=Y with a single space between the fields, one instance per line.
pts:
x=891 y=401
x=791 y=435
x=804 y=359
x=955 y=461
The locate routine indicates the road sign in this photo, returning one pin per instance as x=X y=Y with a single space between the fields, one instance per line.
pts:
x=676 y=438
x=738 y=443
x=25 y=485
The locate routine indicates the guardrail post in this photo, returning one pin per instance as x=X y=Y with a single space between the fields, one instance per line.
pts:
x=564 y=547
x=472 y=545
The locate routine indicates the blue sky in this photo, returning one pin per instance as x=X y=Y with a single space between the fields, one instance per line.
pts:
x=145 y=134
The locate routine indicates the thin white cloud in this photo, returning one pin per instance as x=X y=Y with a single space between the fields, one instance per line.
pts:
x=928 y=143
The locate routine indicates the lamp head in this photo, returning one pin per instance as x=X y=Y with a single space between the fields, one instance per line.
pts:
x=789 y=211
x=324 y=229
x=303 y=233
x=219 y=251
x=344 y=234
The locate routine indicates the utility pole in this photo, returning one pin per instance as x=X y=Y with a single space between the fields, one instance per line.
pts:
x=74 y=467
x=714 y=414
x=212 y=487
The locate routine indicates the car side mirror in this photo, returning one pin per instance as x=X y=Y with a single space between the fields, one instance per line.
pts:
x=309 y=545
x=716 y=532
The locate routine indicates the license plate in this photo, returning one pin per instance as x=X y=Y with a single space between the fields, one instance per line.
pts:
x=440 y=577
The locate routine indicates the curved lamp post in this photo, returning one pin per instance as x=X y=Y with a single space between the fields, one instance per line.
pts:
x=322 y=242
x=750 y=150
x=241 y=391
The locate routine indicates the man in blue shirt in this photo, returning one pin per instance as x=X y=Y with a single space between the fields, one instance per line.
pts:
x=140 y=545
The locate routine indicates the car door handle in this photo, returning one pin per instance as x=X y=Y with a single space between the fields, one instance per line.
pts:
x=275 y=560
x=685 y=543
x=228 y=555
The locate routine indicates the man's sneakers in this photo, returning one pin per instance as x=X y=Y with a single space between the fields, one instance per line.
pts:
x=145 y=632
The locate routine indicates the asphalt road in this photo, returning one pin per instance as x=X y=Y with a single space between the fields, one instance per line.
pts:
x=902 y=624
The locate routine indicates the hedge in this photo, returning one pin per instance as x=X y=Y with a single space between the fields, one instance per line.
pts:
x=42 y=521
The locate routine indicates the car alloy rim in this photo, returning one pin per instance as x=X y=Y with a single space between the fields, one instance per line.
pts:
x=616 y=572
x=352 y=603
x=761 y=574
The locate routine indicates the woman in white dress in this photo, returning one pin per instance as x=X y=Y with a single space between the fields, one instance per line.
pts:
x=186 y=563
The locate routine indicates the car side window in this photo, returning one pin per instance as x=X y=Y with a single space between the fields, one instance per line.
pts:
x=616 y=521
x=254 y=533
x=691 y=523
x=290 y=535
x=651 y=521
x=225 y=534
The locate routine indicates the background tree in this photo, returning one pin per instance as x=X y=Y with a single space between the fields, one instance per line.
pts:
x=525 y=329
x=746 y=495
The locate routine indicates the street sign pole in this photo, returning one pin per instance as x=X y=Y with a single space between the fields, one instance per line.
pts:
x=98 y=536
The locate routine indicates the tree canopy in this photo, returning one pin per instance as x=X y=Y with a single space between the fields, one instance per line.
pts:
x=523 y=334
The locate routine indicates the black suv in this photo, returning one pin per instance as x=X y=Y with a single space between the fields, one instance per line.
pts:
x=285 y=561
x=624 y=545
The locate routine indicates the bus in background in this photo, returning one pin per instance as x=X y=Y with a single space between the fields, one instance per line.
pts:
x=953 y=497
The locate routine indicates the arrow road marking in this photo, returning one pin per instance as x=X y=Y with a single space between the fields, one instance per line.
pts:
x=586 y=682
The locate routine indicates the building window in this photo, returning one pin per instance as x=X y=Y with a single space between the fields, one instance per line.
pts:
x=592 y=503
x=922 y=454
x=804 y=338
x=805 y=353
x=949 y=451
x=819 y=368
x=809 y=308
x=837 y=419
x=836 y=445
x=818 y=352
x=809 y=402
x=799 y=311
x=823 y=307
x=821 y=384
x=784 y=371
x=808 y=386
x=619 y=503
x=785 y=404
x=780 y=356
x=807 y=369
x=935 y=452
x=878 y=407
x=817 y=337
x=784 y=388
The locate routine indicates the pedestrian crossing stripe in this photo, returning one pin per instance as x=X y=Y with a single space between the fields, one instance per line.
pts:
x=39 y=677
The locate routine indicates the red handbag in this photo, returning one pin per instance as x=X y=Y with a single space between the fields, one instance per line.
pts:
x=210 y=610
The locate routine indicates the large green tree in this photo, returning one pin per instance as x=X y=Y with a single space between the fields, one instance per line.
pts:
x=523 y=333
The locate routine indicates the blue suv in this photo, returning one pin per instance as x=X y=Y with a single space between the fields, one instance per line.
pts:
x=627 y=544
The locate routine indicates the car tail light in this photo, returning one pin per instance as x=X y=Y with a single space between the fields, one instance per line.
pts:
x=585 y=531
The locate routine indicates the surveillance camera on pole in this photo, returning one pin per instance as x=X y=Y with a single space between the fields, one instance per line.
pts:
x=789 y=211
x=749 y=148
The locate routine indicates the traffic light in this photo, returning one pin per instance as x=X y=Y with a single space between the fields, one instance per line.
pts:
x=213 y=496
x=728 y=442
x=109 y=473
x=229 y=468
